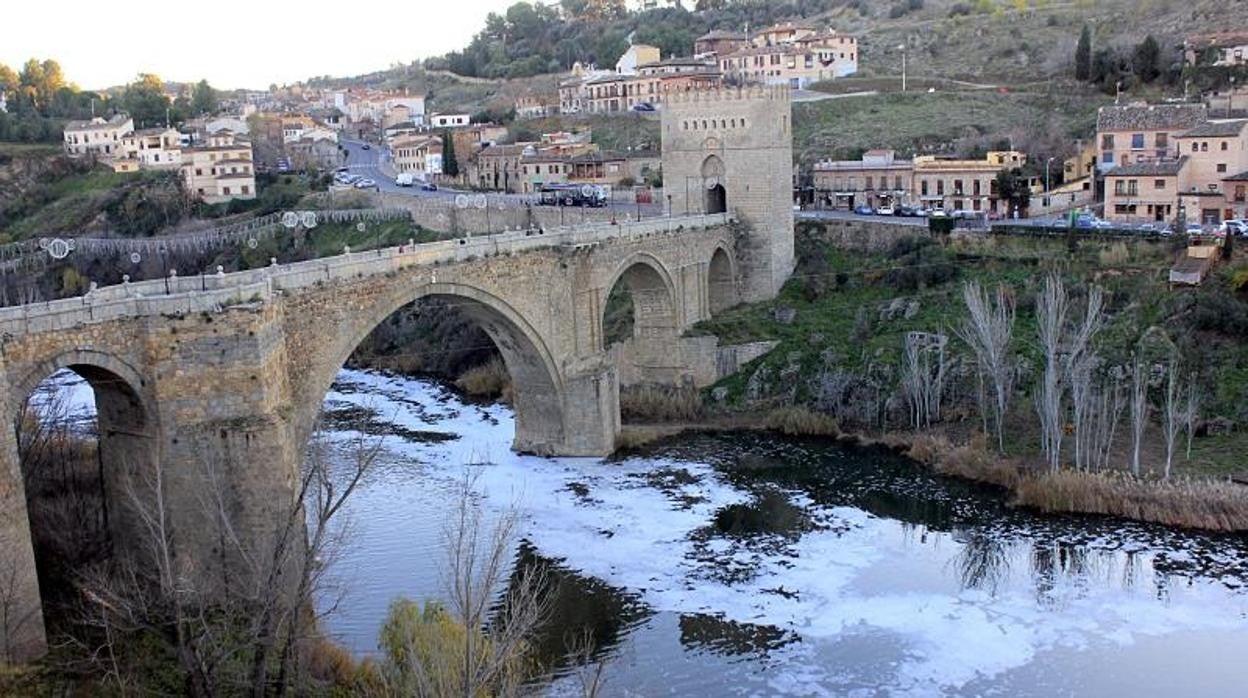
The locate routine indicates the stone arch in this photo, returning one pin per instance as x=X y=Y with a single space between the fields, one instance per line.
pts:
x=721 y=281
x=536 y=380
x=128 y=450
x=653 y=295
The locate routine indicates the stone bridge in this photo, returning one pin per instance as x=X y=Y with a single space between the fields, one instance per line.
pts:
x=221 y=377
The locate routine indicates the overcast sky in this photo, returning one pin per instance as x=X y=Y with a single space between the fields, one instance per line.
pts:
x=234 y=43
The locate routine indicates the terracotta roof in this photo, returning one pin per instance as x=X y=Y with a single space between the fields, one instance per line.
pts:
x=1215 y=129
x=1169 y=168
x=504 y=150
x=1151 y=116
x=1241 y=177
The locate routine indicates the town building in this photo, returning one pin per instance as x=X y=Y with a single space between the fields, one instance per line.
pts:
x=719 y=43
x=1136 y=133
x=1229 y=48
x=420 y=155
x=792 y=54
x=880 y=178
x=612 y=93
x=221 y=170
x=1227 y=102
x=152 y=148
x=497 y=167
x=315 y=150
x=1206 y=183
x=98 y=136
x=637 y=55
x=545 y=167
x=536 y=106
x=449 y=120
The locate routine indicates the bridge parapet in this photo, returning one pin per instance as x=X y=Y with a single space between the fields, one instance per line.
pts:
x=206 y=292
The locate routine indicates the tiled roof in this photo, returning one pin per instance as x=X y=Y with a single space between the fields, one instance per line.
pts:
x=1215 y=129
x=1151 y=116
x=1241 y=177
x=720 y=34
x=1168 y=168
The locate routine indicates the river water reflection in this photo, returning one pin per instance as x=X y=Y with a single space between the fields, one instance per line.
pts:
x=743 y=564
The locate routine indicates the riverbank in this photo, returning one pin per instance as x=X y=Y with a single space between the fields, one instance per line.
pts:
x=1189 y=502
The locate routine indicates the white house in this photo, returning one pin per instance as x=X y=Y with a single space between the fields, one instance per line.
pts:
x=449 y=120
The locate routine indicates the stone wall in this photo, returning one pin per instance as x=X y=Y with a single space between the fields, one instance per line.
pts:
x=863 y=235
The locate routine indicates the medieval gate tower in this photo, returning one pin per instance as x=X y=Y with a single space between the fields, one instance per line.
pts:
x=731 y=150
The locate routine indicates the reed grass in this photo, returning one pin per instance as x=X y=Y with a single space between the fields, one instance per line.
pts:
x=659 y=403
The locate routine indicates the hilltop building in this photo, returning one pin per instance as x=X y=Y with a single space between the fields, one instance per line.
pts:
x=221 y=170
x=1143 y=133
x=789 y=53
x=99 y=136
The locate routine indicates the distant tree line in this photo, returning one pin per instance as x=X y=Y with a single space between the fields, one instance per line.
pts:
x=40 y=100
x=534 y=38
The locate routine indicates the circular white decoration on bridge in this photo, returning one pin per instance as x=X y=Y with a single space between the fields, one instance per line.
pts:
x=360 y=226
x=253 y=243
x=480 y=201
x=43 y=243
x=587 y=190
x=461 y=201
x=441 y=217
x=712 y=182
x=290 y=219
x=58 y=248
x=135 y=258
x=308 y=218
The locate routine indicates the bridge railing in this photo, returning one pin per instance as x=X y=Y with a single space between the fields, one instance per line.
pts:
x=209 y=292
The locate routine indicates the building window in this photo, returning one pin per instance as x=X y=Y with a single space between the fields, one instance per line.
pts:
x=923 y=187
x=1120 y=187
x=1195 y=146
x=1221 y=167
x=1163 y=140
x=870 y=182
x=940 y=187
x=226 y=191
x=1137 y=141
x=246 y=189
x=1204 y=146
x=1107 y=141
x=1223 y=145
x=1159 y=184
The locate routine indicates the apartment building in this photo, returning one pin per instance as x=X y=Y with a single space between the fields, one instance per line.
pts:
x=720 y=43
x=612 y=92
x=421 y=155
x=221 y=170
x=792 y=54
x=98 y=136
x=956 y=184
x=449 y=120
x=497 y=167
x=152 y=148
x=880 y=178
x=1207 y=182
x=544 y=167
x=1141 y=133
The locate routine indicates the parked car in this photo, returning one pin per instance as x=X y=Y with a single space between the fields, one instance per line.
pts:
x=885 y=211
x=922 y=212
x=1234 y=227
x=367 y=147
x=428 y=186
x=864 y=210
x=1195 y=229
x=905 y=211
x=365 y=184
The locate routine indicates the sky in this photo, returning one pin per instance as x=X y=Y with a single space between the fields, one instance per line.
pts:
x=234 y=43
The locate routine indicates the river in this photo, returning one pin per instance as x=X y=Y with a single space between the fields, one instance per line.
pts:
x=745 y=564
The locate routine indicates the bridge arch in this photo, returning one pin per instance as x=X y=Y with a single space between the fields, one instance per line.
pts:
x=537 y=384
x=653 y=294
x=79 y=504
x=721 y=281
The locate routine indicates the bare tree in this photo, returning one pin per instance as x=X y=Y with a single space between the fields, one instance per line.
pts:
x=1109 y=403
x=923 y=376
x=590 y=671
x=1172 y=413
x=1139 y=410
x=1083 y=401
x=1051 y=308
x=481 y=650
x=988 y=330
x=1191 y=412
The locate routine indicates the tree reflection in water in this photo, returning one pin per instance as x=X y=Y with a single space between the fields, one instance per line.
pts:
x=983 y=563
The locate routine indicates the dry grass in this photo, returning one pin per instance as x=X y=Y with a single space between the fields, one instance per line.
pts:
x=1203 y=504
x=800 y=421
x=489 y=380
x=659 y=403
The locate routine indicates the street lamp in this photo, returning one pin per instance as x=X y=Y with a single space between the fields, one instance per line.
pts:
x=1047 y=189
x=902 y=48
x=1230 y=97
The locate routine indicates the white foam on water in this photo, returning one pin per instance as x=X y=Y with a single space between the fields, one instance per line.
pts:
x=863 y=573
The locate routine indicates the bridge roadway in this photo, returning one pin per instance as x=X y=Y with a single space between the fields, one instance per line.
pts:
x=217 y=380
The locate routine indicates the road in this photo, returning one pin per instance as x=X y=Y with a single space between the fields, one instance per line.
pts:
x=372 y=163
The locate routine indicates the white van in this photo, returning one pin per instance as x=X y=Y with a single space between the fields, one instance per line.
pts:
x=405 y=179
